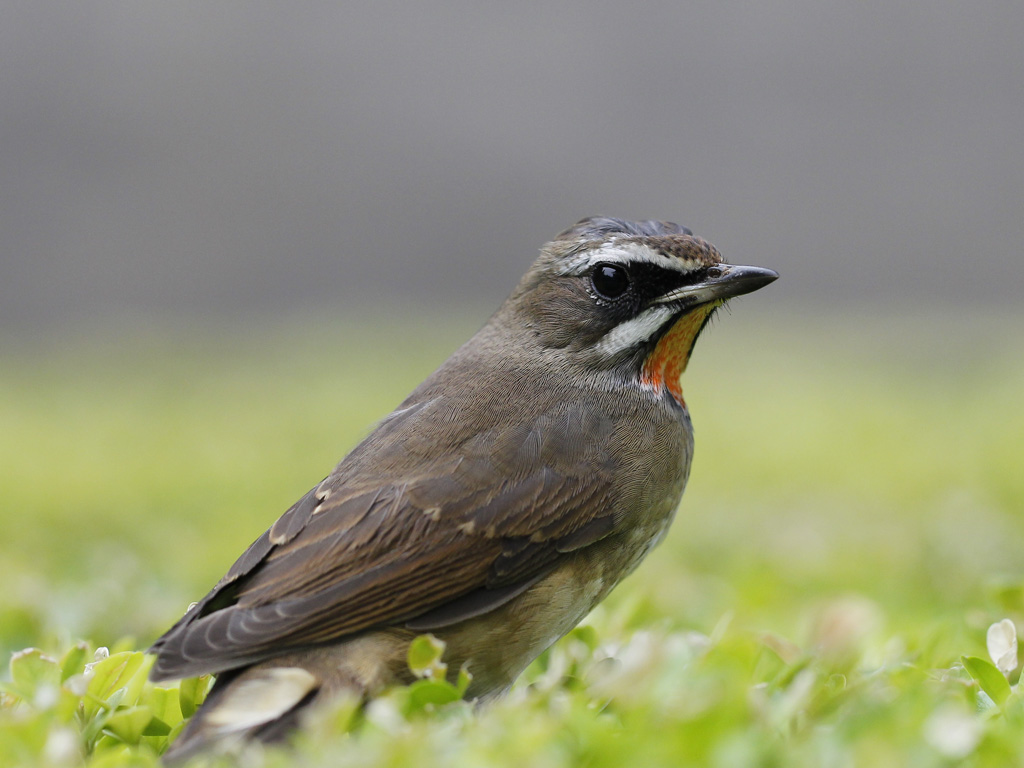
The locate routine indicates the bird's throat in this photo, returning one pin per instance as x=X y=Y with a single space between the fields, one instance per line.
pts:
x=663 y=369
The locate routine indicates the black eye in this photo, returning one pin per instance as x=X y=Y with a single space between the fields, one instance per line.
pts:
x=610 y=280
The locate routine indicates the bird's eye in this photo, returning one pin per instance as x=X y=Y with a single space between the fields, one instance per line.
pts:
x=610 y=280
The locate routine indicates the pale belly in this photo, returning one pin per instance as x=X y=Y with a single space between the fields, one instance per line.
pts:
x=499 y=645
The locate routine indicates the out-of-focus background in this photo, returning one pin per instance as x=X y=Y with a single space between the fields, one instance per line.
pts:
x=224 y=157
x=234 y=235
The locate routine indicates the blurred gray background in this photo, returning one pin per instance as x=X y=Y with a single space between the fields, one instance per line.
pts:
x=213 y=158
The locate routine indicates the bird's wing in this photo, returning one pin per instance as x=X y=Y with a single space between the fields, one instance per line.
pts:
x=463 y=531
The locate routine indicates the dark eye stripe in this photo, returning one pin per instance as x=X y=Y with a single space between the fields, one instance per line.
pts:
x=648 y=281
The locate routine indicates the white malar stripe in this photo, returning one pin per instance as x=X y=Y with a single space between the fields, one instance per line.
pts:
x=636 y=331
x=263 y=697
x=626 y=253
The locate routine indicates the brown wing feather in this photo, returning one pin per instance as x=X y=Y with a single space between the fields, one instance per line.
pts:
x=463 y=534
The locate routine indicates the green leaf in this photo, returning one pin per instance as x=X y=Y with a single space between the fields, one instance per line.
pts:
x=191 y=694
x=165 y=706
x=66 y=707
x=989 y=678
x=428 y=694
x=93 y=726
x=465 y=678
x=156 y=727
x=129 y=724
x=117 y=671
x=73 y=662
x=31 y=670
x=21 y=737
x=424 y=657
x=112 y=753
x=173 y=734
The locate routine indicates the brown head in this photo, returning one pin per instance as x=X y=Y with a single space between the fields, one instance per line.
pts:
x=629 y=296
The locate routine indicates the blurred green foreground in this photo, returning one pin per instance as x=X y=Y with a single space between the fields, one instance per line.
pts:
x=853 y=524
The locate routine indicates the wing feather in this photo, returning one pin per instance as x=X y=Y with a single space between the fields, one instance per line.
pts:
x=455 y=537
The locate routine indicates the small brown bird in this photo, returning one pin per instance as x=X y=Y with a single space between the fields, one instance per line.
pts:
x=495 y=507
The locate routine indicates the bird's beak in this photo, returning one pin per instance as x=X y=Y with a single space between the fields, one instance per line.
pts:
x=720 y=282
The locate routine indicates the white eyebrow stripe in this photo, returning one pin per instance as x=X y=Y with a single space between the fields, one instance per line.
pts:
x=626 y=253
x=636 y=331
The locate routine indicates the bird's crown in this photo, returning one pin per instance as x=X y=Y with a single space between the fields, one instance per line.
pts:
x=660 y=243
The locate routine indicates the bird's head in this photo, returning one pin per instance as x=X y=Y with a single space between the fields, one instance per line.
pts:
x=629 y=296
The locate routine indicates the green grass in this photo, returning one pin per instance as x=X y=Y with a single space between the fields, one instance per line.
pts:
x=852 y=526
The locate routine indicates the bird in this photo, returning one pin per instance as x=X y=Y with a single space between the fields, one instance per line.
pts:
x=501 y=501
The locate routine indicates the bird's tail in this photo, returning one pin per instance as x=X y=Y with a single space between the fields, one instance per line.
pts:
x=258 y=703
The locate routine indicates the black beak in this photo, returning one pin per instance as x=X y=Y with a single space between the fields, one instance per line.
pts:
x=720 y=282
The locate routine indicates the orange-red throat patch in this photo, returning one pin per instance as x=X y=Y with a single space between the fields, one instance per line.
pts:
x=663 y=368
